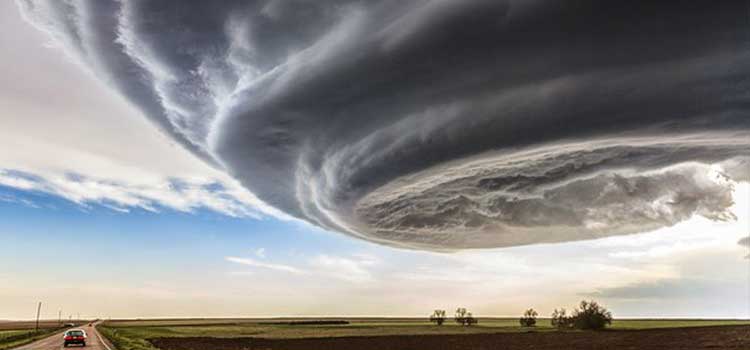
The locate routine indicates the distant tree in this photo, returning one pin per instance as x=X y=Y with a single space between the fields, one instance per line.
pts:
x=591 y=315
x=464 y=317
x=438 y=316
x=529 y=318
x=561 y=320
x=460 y=316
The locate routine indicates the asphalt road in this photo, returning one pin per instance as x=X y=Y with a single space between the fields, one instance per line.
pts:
x=55 y=342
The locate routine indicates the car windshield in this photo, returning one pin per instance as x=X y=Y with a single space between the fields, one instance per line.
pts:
x=76 y=333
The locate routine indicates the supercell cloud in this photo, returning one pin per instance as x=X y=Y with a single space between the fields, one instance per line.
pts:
x=441 y=124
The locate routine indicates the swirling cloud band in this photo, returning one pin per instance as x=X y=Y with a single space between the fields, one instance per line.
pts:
x=441 y=124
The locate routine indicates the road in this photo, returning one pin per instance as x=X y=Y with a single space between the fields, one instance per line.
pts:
x=55 y=342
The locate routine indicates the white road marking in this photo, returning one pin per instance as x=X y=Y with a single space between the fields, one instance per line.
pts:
x=100 y=338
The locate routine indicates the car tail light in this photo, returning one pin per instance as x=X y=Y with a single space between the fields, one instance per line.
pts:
x=67 y=337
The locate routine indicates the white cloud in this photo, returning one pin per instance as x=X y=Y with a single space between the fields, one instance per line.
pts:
x=13 y=199
x=264 y=265
x=745 y=241
x=184 y=194
x=353 y=269
x=664 y=250
x=16 y=182
x=260 y=252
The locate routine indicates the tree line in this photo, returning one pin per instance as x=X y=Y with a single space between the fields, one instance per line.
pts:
x=588 y=315
x=462 y=317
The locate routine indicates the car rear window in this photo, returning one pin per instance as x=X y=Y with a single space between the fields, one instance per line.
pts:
x=75 y=333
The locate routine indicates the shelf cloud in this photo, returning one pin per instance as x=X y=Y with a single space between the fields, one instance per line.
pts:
x=443 y=124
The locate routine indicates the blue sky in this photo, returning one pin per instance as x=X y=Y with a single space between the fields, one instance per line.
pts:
x=98 y=261
x=104 y=215
x=57 y=230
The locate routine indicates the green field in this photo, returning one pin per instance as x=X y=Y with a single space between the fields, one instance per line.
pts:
x=13 y=338
x=10 y=333
x=132 y=334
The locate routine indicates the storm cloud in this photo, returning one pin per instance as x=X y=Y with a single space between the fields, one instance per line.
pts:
x=441 y=124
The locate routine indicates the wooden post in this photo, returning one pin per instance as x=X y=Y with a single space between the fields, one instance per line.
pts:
x=38 y=308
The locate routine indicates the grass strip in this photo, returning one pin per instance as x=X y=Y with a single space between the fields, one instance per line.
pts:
x=122 y=340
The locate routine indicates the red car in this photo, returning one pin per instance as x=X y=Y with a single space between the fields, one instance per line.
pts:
x=74 y=336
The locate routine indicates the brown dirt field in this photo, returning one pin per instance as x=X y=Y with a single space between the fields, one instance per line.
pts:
x=720 y=337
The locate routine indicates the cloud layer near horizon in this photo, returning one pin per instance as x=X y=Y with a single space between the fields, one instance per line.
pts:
x=441 y=124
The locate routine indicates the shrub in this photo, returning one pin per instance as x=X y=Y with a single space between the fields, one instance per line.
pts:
x=529 y=318
x=589 y=315
x=438 y=316
x=561 y=320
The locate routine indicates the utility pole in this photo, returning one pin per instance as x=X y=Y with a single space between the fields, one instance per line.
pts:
x=59 y=317
x=38 y=309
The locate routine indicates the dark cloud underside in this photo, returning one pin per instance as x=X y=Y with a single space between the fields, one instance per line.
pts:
x=442 y=124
